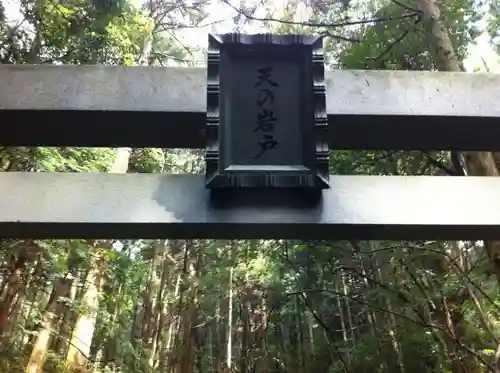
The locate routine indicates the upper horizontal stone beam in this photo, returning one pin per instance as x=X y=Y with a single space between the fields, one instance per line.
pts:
x=87 y=205
x=165 y=107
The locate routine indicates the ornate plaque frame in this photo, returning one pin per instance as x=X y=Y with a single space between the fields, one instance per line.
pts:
x=306 y=53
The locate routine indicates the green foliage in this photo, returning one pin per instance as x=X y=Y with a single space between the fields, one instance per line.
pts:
x=316 y=306
x=493 y=26
x=148 y=160
x=401 y=44
x=72 y=159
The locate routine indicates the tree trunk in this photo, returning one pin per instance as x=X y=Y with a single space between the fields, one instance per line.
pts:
x=477 y=163
x=152 y=287
x=60 y=344
x=390 y=324
x=83 y=331
x=188 y=311
x=15 y=281
x=229 y=345
x=161 y=308
x=172 y=329
x=52 y=313
x=445 y=58
x=245 y=314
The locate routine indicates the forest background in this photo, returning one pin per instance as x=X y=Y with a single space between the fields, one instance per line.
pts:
x=251 y=306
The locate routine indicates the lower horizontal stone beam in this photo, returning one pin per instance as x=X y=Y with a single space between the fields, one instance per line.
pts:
x=87 y=205
x=115 y=106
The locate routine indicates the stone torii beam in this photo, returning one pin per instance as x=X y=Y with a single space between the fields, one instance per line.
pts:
x=93 y=205
x=102 y=105
x=157 y=107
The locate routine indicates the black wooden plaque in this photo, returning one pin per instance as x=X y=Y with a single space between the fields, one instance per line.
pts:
x=266 y=123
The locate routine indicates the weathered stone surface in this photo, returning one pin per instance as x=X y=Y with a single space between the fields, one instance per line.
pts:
x=357 y=92
x=57 y=205
x=143 y=106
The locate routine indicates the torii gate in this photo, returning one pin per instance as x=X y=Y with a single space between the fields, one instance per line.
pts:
x=167 y=107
